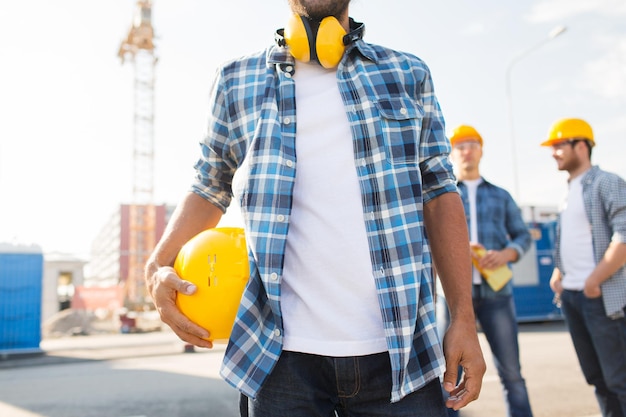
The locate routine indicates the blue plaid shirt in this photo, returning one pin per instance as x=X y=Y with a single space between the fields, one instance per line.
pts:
x=604 y=196
x=401 y=159
x=500 y=225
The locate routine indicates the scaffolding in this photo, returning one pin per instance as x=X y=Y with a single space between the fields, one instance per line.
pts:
x=138 y=48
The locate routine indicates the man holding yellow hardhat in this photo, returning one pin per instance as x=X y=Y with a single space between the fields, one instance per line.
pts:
x=339 y=162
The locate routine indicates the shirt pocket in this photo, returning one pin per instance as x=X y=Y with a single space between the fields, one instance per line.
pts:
x=401 y=124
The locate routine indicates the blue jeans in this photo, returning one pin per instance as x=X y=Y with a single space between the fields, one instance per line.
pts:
x=600 y=344
x=304 y=385
x=497 y=319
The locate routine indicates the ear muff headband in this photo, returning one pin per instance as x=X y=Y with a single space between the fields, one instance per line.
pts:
x=325 y=43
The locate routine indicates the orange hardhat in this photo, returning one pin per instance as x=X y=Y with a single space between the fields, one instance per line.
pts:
x=464 y=133
x=565 y=129
x=216 y=261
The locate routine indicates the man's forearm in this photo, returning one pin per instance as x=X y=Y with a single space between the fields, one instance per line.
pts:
x=444 y=219
x=192 y=216
x=613 y=259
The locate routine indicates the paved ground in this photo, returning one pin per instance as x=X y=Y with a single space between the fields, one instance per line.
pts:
x=96 y=347
x=553 y=377
x=549 y=364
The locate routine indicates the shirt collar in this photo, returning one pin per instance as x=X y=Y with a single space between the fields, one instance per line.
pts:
x=279 y=55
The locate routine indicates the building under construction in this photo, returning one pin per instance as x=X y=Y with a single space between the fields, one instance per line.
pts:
x=111 y=261
x=138 y=48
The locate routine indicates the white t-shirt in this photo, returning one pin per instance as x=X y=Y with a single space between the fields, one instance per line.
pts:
x=472 y=188
x=328 y=296
x=576 y=246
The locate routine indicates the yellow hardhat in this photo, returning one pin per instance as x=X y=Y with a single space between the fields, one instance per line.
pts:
x=216 y=261
x=464 y=133
x=565 y=129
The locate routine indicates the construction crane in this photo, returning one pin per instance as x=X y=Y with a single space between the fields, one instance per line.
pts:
x=138 y=48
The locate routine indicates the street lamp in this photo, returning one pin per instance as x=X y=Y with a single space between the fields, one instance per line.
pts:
x=551 y=35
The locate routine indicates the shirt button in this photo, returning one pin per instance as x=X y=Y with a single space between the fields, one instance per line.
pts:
x=277 y=332
x=403 y=111
x=273 y=276
x=363 y=163
x=372 y=217
x=289 y=69
x=289 y=163
x=280 y=218
x=286 y=120
x=288 y=74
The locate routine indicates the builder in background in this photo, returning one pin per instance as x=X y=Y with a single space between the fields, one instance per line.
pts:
x=590 y=277
x=498 y=237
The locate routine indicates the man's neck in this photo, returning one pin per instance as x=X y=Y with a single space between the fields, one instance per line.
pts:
x=580 y=170
x=345 y=21
x=468 y=175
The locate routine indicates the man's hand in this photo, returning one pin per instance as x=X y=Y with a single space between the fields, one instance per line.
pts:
x=592 y=289
x=461 y=348
x=555 y=282
x=163 y=285
x=495 y=258
x=192 y=215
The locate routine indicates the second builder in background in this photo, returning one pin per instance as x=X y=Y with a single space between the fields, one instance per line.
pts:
x=498 y=237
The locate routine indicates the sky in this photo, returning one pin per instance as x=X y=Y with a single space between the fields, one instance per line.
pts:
x=66 y=101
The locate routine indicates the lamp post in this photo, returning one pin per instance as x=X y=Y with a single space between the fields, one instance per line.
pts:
x=551 y=35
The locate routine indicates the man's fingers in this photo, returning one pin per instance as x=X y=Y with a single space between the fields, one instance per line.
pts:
x=166 y=276
x=450 y=377
x=463 y=394
x=191 y=336
x=473 y=380
x=168 y=285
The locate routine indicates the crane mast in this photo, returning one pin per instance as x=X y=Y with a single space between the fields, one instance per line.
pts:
x=138 y=48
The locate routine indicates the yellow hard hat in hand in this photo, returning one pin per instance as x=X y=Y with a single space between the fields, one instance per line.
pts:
x=216 y=261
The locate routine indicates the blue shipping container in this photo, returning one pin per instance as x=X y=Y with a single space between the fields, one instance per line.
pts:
x=531 y=277
x=21 y=280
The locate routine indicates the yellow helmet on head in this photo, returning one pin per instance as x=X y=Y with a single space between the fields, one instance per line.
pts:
x=464 y=133
x=216 y=261
x=569 y=128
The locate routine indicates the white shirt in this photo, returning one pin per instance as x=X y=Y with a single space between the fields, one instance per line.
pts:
x=472 y=188
x=576 y=246
x=329 y=300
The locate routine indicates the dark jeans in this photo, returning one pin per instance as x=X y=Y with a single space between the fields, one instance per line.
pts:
x=303 y=385
x=497 y=319
x=600 y=344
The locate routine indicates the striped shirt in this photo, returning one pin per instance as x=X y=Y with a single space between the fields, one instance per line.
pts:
x=401 y=160
x=604 y=196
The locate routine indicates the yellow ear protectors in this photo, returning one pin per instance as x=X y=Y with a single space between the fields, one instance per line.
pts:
x=323 y=41
x=297 y=38
x=329 y=42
